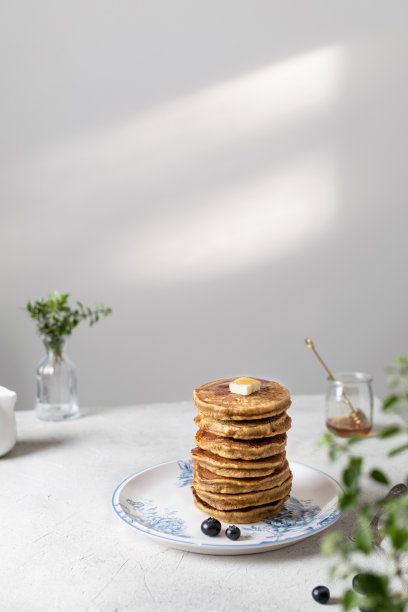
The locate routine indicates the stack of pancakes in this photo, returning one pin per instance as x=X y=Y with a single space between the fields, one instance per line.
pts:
x=240 y=470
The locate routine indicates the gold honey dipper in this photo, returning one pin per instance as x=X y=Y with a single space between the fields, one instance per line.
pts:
x=356 y=414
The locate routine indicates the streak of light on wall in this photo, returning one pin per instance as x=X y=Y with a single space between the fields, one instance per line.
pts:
x=250 y=223
x=239 y=221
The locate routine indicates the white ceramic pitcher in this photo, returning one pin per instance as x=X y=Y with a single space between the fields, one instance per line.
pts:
x=8 y=430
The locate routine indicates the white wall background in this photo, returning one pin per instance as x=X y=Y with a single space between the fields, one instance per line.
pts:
x=229 y=176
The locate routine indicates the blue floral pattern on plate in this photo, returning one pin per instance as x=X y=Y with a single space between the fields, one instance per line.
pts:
x=185 y=478
x=157 y=502
x=297 y=516
x=146 y=512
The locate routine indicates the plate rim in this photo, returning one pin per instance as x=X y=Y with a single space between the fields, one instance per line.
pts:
x=191 y=542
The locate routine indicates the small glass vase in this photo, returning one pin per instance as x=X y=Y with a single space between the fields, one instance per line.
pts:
x=56 y=383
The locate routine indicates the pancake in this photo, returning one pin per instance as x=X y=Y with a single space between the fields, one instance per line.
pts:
x=243 y=515
x=240 y=449
x=229 y=501
x=214 y=483
x=237 y=468
x=245 y=430
x=216 y=400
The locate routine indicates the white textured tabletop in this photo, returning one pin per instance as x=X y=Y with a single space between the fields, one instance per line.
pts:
x=62 y=548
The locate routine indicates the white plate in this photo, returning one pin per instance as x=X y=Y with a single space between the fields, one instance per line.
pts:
x=158 y=502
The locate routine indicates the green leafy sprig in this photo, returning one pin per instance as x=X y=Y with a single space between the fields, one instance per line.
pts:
x=371 y=591
x=56 y=319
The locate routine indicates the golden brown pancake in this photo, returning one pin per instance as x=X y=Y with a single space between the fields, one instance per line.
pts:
x=240 y=449
x=230 y=501
x=245 y=430
x=243 y=515
x=216 y=400
x=206 y=480
x=240 y=471
x=237 y=468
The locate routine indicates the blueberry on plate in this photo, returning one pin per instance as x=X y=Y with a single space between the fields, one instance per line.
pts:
x=211 y=527
x=233 y=532
x=321 y=594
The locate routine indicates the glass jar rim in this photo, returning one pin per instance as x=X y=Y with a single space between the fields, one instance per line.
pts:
x=350 y=378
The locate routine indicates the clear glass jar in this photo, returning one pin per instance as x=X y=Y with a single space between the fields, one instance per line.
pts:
x=349 y=404
x=56 y=383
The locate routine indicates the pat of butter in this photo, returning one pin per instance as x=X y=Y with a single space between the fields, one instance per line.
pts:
x=244 y=386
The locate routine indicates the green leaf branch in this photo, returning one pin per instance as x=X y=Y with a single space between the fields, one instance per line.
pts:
x=387 y=592
x=56 y=319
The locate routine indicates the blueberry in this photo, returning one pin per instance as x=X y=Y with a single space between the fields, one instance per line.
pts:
x=232 y=532
x=321 y=594
x=211 y=527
